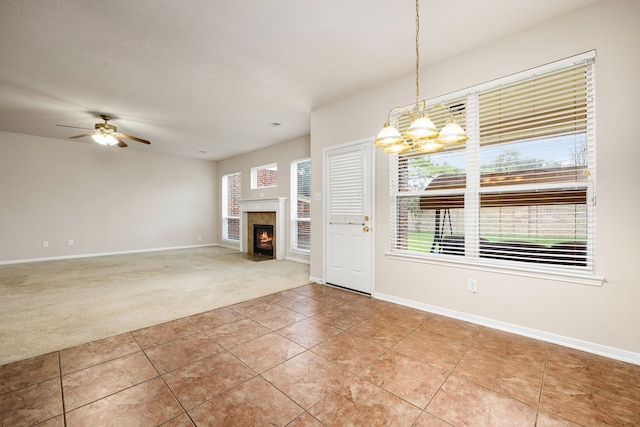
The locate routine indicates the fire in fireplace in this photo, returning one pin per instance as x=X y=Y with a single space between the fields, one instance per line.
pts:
x=263 y=239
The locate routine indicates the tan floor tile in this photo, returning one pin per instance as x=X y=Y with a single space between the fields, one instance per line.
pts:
x=349 y=352
x=441 y=327
x=206 y=378
x=586 y=403
x=96 y=382
x=611 y=375
x=461 y=402
x=441 y=354
x=181 y=421
x=512 y=379
x=547 y=420
x=360 y=403
x=266 y=351
x=278 y=317
x=308 y=306
x=31 y=405
x=16 y=375
x=164 y=332
x=404 y=316
x=511 y=347
x=53 y=422
x=253 y=403
x=93 y=353
x=238 y=332
x=254 y=307
x=305 y=420
x=215 y=318
x=343 y=316
x=428 y=420
x=172 y=355
x=309 y=332
x=413 y=381
x=286 y=297
x=380 y=331
x=306 y=378
x=147 y=404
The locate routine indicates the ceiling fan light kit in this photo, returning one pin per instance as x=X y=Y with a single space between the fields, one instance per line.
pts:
x=107 y=134
x=422 y=136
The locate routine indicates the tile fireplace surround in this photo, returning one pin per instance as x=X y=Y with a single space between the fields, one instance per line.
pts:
x=277 y=205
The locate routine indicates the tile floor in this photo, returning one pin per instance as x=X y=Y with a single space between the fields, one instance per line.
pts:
x=318 y=356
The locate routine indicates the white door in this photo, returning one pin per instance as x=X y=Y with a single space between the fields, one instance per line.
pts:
x=348 y=208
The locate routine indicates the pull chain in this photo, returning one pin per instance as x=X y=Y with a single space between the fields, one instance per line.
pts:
x=417 y=52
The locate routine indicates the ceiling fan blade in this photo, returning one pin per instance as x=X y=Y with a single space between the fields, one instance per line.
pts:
x=133 y=138
x=74 y=127
x=121 y=143
x=84 y=134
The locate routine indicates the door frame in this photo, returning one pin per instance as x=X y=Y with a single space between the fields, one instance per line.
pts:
x=325 y=201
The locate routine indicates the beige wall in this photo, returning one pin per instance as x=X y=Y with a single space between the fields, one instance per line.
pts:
x=604 y=318
x=282 y=154
x=105 y=199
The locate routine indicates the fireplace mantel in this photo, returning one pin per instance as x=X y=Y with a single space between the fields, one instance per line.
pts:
x=277 y=205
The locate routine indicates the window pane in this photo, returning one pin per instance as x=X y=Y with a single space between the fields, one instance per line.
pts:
x=233 y=228
x=231 y=188
x=303 y=172
x=233 y=195
x=548 y=234
x=301 y=205
x=264 y=176
x=428 y=230
x=304 y=235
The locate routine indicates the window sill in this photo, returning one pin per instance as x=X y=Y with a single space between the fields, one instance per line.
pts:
x=540 y=273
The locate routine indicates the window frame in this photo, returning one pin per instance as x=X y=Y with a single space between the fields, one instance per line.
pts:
x=473 y=192
x=225 y=206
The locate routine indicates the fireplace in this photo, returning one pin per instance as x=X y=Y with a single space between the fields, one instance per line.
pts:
x=263 y=239
x=263 y=211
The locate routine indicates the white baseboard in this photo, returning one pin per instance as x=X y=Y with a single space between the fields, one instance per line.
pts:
x=316 y=280
x=135 y=251
x=602 y=350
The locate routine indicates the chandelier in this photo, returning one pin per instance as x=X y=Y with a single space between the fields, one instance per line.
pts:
x=422 y=136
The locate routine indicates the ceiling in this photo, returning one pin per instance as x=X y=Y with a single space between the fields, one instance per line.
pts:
x=208 y=78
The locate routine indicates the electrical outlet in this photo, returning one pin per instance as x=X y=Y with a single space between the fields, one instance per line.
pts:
x=69 y=242
x=45 y=244
x=199 y=238
x=472 y=285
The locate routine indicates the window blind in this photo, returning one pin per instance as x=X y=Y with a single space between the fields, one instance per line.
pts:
x=521 y=189
x=345 y=170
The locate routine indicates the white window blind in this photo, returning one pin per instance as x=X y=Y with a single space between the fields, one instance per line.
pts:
x=301 y=205
x=521 y=190
x=345 y=170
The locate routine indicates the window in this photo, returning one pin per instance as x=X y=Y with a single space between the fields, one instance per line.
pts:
x=264 y=176
x=301 y=205
x=231 y=186
x=520 y=191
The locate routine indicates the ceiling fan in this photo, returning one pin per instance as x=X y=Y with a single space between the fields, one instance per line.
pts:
x=107 y=134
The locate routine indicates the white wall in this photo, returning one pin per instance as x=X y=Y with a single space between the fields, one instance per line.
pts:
x=105 y=199
x=605 y=318
x=282 y=154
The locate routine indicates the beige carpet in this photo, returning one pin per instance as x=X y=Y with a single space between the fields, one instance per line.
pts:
x=48 y=306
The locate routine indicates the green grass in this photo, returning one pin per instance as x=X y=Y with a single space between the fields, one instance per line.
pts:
x=421 y=241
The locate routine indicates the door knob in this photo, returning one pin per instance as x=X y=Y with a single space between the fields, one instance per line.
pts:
x=365 y=228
